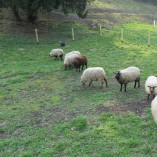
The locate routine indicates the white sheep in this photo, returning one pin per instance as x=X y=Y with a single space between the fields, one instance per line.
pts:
x=73 y=52
x=128 y=75
x=69 y=58
x=56 y=53
x=154 y=109
x=150 y=86
x=94 y=74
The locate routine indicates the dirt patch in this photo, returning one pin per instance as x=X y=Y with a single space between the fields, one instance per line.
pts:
x=2 y=134
x=136 y=107
x=46 y=116
x=108 y=11
x=61 y=115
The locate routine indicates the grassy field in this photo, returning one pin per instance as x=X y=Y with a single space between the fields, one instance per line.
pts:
x=46 y=112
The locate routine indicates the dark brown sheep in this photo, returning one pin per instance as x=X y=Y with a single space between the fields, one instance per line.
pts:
x=80 y=61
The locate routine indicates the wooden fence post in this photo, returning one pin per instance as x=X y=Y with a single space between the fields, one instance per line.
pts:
x=73 y=37
x=100 y=30
x=37 y=38
x=148 y=39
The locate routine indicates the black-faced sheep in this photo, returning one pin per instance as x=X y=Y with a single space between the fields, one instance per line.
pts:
x=94 y=74
x=56 y=53
x=70 y=58
x=128 y=75
x=154 y=109
x=150 y=86
x=80 y=61
x=62 y=44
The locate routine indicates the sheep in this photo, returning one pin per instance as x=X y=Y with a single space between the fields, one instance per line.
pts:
x=56 y=53
x=69 y=58
x=94 y=74
x=73 y=52
x=128 y=75
x=150 y=86
x=62 y=44
x=80 y=61
x=154 y=109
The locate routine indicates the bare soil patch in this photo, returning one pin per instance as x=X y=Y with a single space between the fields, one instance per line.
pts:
x=50 y=116
x=2 y=134
x=135 y=107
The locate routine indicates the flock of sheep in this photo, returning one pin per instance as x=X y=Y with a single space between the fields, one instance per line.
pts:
x=124 y=76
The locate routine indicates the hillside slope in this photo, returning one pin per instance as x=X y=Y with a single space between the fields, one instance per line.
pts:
x=121 y=11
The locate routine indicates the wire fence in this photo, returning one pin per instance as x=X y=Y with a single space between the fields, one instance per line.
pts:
x=45 y=36
x=142 y=37
x=49 y=35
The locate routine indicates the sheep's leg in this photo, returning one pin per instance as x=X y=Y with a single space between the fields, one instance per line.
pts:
x=82 y=67
x=55 y=57
x=153 y=96
x=125 y=87
x=105 y=81
x=79 y=68
x=61 y=57
x=148 y=96
x=90 y=83
x=121 y=85
x=102 y=84
x=135 y=84
x=76 y=66
x=83 y=84
x=139 y=84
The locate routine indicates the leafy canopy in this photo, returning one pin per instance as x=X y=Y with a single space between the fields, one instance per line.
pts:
x=31 y=7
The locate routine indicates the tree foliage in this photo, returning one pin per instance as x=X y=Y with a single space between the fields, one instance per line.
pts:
x=31 y=7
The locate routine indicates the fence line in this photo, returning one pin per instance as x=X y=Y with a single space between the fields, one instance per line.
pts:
x=51 y=37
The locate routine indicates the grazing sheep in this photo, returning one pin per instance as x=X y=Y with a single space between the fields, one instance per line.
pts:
x=80 y=61
x=73 y=52
x=128 y=75
x=70 y=58
x=56 y=53
x=150 y=86
x=94 y=74
x=62 y=44
x=154 y=109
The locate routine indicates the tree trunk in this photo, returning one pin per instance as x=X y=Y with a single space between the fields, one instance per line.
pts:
x=16 y=13
x=32 y=18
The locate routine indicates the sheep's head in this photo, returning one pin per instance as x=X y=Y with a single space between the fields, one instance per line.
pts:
x=50 y=54
x=66 y=66
x=117 y=75
x=83 y=82
x=151 y=89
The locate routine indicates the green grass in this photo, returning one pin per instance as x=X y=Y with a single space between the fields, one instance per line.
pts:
x=45 y=111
